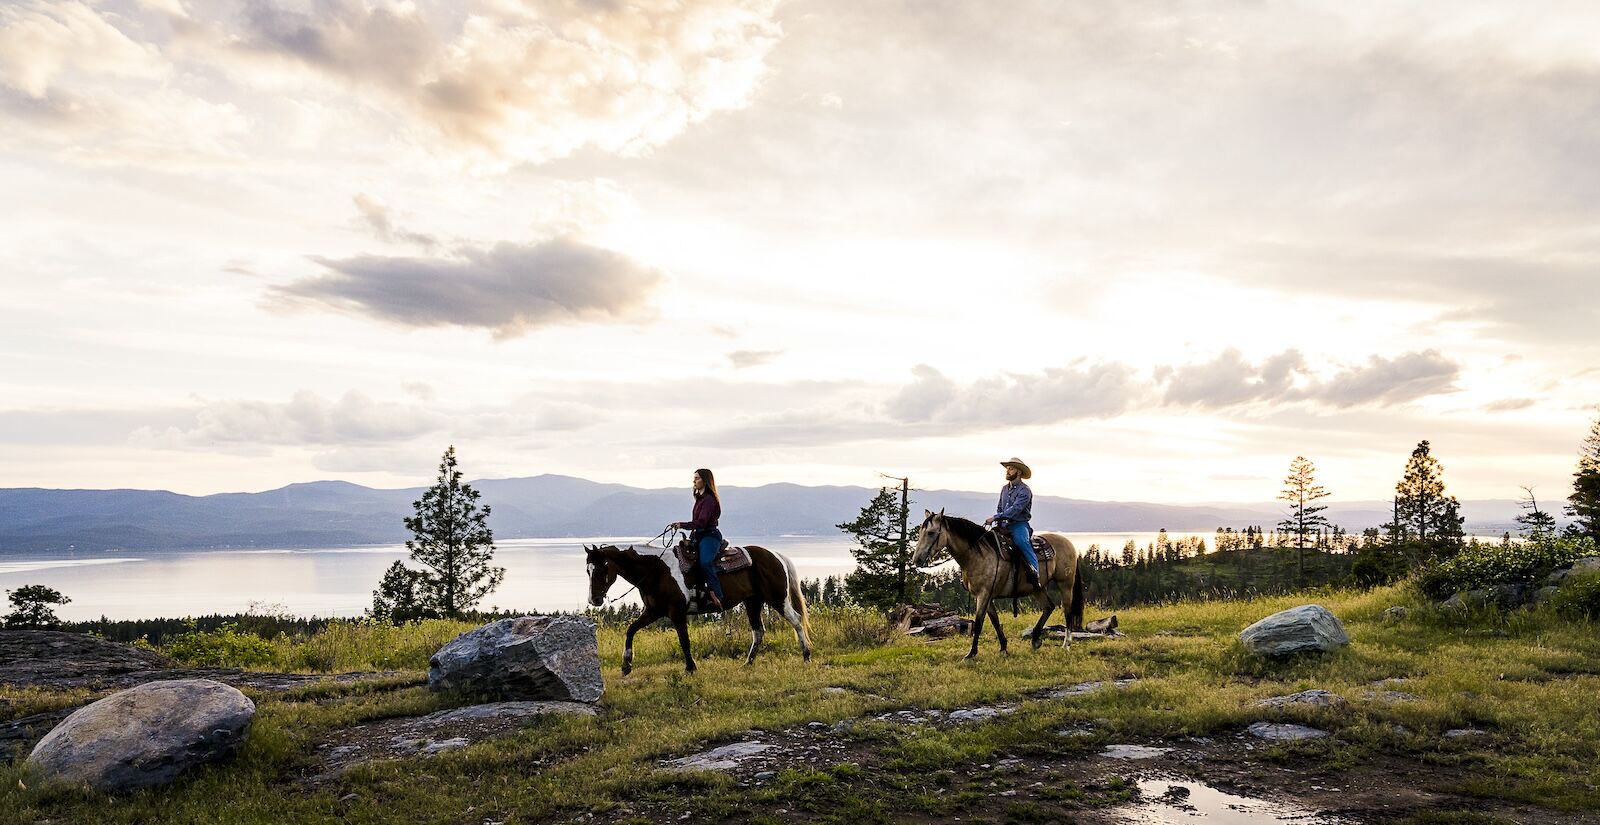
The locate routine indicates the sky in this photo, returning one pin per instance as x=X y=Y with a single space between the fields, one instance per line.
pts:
x=1157 y=250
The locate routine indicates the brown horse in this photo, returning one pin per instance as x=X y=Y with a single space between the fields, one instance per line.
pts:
x=769 y=581
x=989 y=574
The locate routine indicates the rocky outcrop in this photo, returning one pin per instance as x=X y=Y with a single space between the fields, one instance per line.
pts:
x=144 y=736
x=1511 y=595
x=529 y=657
x=51 y=658
x=1316 y=698
x=1309 y=628
x=435 y=733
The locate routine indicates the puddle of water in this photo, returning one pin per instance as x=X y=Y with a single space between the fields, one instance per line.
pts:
x=1169 y=801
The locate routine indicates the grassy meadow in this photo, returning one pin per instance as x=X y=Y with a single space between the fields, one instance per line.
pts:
x=1530 y=680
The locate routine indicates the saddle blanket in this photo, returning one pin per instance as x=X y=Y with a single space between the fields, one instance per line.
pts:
x=731 y=560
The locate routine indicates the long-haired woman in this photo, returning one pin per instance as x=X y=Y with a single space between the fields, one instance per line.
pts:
x=703 y=529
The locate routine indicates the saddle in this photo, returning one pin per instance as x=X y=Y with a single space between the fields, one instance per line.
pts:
x=729 y=560
x=1042 y=550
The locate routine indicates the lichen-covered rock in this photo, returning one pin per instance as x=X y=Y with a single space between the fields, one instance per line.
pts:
x=1309 y=628
x=1284 y=732
x=145 y=735
x=529 y=657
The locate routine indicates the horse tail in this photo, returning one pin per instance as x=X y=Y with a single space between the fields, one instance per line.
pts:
x=797 y=599
x=1075 y=606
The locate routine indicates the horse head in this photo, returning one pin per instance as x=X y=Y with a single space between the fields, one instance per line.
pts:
x=930 y=538
x=601 y=563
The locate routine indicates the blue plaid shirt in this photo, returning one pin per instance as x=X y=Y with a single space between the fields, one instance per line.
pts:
x=1016 y=503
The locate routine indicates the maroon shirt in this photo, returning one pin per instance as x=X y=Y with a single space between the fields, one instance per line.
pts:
x=706 y=512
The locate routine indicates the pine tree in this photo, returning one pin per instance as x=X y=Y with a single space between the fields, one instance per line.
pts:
x=1421 y=507
x=883 y=577
x=398 y=598
x=31 y=607
x=452 y=541
x=1301 y=491
x=1584 y=504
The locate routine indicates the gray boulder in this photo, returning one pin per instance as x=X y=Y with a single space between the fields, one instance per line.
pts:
x=1284 y=732
x=529 y=657
x=1499 y=595
x=145 y=735
x=1309 y=628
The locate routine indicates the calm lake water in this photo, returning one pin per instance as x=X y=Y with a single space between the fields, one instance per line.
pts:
x=541 y=574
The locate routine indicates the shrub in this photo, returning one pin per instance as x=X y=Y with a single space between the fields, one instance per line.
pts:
x=1578 y=598
x=226 y=646
x=1376 y=566
x=1482 y=565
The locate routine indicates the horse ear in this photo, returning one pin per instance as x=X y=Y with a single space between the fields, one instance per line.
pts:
x=941 y=512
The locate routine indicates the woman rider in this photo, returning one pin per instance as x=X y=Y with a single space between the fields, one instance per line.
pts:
x=703 y=530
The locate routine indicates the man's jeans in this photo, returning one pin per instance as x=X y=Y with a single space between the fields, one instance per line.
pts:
x=1022 y=534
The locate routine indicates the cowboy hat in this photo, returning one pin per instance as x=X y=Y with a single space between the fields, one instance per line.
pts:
x=1021 y=467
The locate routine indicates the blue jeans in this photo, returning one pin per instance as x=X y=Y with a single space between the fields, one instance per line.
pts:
x=710 y=546
x=1022 y=534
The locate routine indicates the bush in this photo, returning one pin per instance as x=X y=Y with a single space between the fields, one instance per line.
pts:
x=1482 y=565
x=1578 y=598
x=1376 y=566
x=227 y=646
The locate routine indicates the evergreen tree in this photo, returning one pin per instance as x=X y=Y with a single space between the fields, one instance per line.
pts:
x=1301 y=491
x=1422 y=508
x=398 y=598
x=31 y=607
x=452 y=541
x=883 y=577
x=1585 y=499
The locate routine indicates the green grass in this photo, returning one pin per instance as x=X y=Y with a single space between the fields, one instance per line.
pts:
x=1528 y=679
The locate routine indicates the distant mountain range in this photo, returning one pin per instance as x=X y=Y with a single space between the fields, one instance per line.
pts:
x=336 y=513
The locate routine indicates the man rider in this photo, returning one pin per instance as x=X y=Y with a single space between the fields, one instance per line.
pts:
x=1015 y=511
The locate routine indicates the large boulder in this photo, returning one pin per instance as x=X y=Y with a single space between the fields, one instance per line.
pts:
x=1309 y=628
x=529 y=657
x=145 y=735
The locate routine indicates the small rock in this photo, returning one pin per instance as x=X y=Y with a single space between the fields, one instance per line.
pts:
x=1395 y=614
x=1086 y=687
x=1461 y=733
x=446 y=745
x=1309 y=628
x=977 y=714
x=349 y=797
x=1390 y=697
x=1317 y=698
x=763 y=776
x=1284 y=732
x=725 y=758
x=1133 y=752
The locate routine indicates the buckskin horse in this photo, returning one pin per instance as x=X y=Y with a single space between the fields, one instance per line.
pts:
x=769 y=581
x=989 y=574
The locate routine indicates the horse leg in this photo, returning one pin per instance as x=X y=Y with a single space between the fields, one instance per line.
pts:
x=681 y=621
x=994 y=616
x=1048 y=607
x=644 y=620
x=752 y=608
x=977 y=626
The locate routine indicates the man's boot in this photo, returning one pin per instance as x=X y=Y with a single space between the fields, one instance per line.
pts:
x=1032 y=574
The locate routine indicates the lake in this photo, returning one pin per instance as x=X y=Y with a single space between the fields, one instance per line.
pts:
x=541 y=575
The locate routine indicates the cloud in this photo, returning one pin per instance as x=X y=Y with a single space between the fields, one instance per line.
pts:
x=1228 y=380
x=530 y=81
x=752 y=358
x=1509 y=405
x=1384 y=381
x=1096 y=391
x=377 y=218
x=307 y=418
x=508 y=288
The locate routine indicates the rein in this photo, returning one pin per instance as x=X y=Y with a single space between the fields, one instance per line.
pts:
x=661 y=536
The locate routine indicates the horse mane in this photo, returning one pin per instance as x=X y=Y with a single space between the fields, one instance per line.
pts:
x=969 y=531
